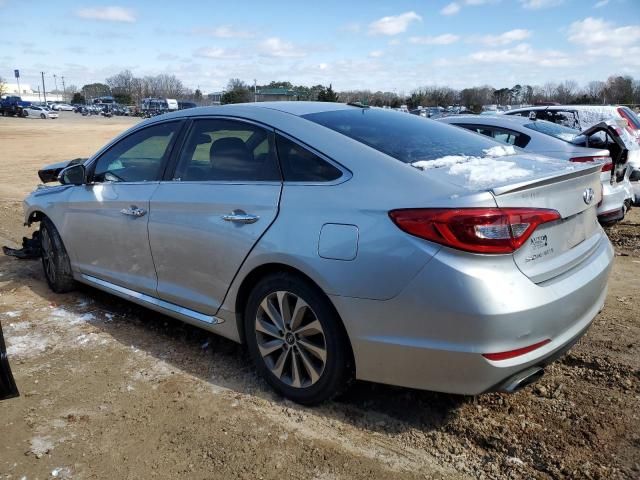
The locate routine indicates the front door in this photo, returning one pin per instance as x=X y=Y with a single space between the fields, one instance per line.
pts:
x=221 y=198
x=106 y=220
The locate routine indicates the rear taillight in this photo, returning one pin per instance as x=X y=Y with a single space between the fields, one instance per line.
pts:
x=607 y=165
x=515 y=353
x=477 y=230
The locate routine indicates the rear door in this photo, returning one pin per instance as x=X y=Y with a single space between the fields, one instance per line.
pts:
x=210 y=211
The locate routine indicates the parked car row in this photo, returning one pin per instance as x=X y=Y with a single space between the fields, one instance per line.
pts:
x=358 y=242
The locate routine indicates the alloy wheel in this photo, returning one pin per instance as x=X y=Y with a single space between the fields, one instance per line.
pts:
x=290 y=339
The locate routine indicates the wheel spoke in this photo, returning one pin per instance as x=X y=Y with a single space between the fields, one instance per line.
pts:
x=298 y=312
x=295 y=371
x=278 y=367
x=308 y=365
x=311 y=328
x=317 y=351
x=283 y=305
x=272 y=313
x=269 y=347
x=267 y=328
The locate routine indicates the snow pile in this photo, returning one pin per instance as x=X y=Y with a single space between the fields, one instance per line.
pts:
x=566 y=136
x=450 y=160
x=482 y=171
x=479 y=170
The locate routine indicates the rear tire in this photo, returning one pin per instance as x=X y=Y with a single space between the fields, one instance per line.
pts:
x=296 y=339
x=55 y=261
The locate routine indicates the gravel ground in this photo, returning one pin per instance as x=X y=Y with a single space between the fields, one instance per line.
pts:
x=111 y=390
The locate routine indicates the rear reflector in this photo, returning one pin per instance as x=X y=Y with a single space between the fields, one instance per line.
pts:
x=477 y=230
x=514 y=353
x=606 y=167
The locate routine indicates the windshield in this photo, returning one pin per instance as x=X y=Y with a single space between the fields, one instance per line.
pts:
x=408 y=138
x=549 y=128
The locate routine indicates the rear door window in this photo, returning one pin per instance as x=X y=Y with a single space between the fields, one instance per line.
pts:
x=227 y=150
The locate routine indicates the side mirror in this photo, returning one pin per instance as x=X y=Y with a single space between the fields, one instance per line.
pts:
x=73 y=175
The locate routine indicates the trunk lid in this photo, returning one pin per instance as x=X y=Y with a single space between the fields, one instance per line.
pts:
x=558 y=246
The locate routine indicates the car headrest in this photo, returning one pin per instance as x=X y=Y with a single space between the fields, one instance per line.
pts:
x=231 y=159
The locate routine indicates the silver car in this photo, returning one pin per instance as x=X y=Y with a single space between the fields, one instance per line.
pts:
x=337 y=242
x=557 y=141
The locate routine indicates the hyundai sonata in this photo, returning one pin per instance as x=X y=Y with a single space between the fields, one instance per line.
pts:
x=338 y=242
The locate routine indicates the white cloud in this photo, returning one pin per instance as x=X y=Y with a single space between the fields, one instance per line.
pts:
x=376 y=53
x=450 y=9
x=109 y=14
x=524 y=54
x=601 y=3
x=538 y=4
x=276 y=47
x=505 y=38
x=393 y=25
x=445 y=39
x=598 y=32
x=351 y=27
x=215 y=53
x=223 y=31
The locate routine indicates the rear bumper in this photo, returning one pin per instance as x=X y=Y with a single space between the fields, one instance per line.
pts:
x=611 y=208
x=433 y=334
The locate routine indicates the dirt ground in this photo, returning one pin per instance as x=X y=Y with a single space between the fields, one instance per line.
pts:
x=111 y=390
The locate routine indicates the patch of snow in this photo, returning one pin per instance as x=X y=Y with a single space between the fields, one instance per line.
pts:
x=446 y=161
x=481 y=171
x=70 y=317
x=25 y=345
x=13 y=314
x=514 y=461
x=41 y=445
x=500 y=151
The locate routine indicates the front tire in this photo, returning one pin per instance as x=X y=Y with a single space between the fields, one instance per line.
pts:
x=43 y=116
x=55 y=261
x=296 y=339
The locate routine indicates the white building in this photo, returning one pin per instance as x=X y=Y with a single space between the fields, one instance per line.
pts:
x=28 y=94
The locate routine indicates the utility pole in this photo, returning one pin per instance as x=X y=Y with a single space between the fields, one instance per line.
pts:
x=39 y=94
x=255 y=92
x=64 y=91
x=55 y=80
x=44 y=90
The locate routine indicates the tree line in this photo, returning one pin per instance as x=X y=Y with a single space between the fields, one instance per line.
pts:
x=126 y=88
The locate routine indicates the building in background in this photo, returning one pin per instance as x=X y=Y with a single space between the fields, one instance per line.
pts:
x=28 y=94
x=276 y=95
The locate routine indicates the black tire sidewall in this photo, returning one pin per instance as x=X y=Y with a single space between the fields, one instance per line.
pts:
x=338 y=368
x=63 y=279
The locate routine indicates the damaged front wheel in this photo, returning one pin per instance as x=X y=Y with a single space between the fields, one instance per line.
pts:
x=55 y=261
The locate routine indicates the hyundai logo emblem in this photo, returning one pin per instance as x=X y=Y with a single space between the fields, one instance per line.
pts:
x=587 y=195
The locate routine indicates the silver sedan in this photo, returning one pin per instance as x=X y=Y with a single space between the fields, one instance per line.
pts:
x=337 y=242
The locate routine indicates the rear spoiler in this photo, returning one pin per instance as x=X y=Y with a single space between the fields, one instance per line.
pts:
x=50 y=173
x=539 y=182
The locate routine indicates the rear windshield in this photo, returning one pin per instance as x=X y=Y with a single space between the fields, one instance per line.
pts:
x=549 y=128
x=408 y=138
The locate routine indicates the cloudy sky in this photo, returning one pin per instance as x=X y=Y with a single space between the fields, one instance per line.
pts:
x=395 y=45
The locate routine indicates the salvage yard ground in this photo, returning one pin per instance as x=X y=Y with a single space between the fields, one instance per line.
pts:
x=111 y=390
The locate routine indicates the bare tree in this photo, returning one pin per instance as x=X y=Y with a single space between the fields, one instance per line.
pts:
x=3 y=86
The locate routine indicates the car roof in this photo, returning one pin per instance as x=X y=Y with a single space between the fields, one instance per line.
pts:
x=292 y=107
x=564 y=107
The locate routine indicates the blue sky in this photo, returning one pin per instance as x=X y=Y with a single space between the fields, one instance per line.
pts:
x=394 y=46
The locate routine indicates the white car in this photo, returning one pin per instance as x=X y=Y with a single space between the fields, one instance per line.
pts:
x=35 y=112
x=62 y=107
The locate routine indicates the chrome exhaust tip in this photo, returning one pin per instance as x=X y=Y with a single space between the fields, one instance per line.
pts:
x=521 y=380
